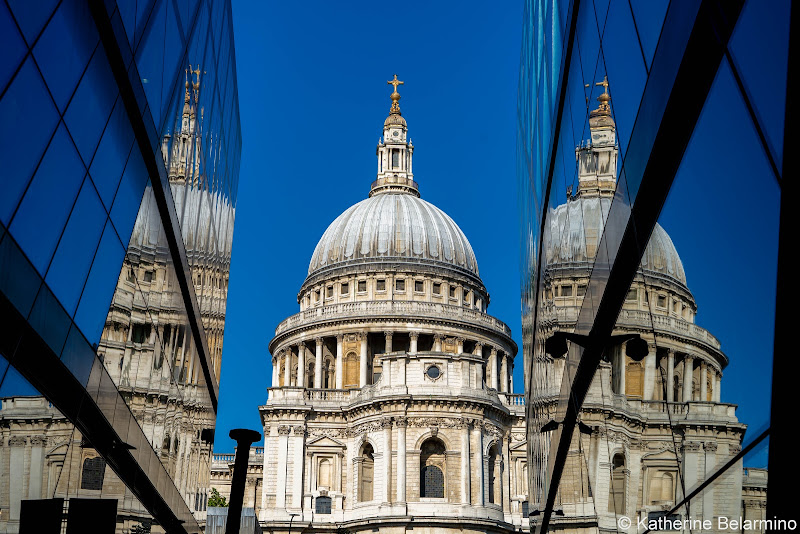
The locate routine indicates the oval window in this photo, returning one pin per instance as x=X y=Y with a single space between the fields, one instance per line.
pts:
x=433 y=372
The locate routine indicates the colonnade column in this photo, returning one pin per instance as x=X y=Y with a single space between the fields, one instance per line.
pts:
x=301 y=365
x=437 y=343
x=459 y=345
x=478 y=377
x=339 y=362
x=283 y=449
x=504 y=373
x=299 y=435
x=670 y=376
x=387 y=460
x=287 y=370
x=318 y=365
x=717 y=387
x=465 y=470
x=703 y=381
x=388 y=347
x=649 y=373
x=275 y=370
x=493 y=368
x=401 y=423
x=479 y=462
x=688 y=368
x=362 y=381
x=413 y=337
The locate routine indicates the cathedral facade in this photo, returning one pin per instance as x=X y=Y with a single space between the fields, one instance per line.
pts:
x=391 y=404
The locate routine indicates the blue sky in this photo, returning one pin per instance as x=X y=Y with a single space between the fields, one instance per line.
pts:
x=313 y=97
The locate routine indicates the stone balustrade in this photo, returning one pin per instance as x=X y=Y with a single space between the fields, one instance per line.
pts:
x=662 y=324
x=344 y=397
x=400 y=309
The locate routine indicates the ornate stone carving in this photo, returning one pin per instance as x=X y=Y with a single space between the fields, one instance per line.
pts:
x=691 y=446
x=710 y=446
x=318 y=340
x=299 y=430
x=413 y=335
x=40 y=441
x=17 y=441
x=434 y=431
x=284 y=430
x=401 y=422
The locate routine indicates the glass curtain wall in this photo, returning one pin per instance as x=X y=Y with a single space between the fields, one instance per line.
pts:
x=120 y=123
x=650 y=184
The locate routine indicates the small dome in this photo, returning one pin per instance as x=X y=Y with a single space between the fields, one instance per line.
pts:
x=395 y=119
x=394 y=227
x=574 y=234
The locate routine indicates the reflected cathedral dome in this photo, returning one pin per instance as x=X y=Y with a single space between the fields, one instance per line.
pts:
x=574 y=233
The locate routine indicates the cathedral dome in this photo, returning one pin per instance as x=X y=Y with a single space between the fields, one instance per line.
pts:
x=574 y=233
x=393 y=227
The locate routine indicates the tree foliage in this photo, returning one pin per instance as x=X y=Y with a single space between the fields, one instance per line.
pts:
x=215 y=499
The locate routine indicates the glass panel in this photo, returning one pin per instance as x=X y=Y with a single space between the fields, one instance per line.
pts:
x=150 y=59
x=52 y=192
x=50 y=320
x=96 y=296
x=760 y=47
x=19 y=281
x=109 y=161
x=76 y=250
x=29 y=119
x=649 y=16
x=89 y=109
x=64 y=49
x=32 y=16
x=129 y=195
x=13 y=47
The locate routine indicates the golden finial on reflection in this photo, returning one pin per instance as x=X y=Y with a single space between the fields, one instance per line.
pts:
x=604 y=98
x=395 y=95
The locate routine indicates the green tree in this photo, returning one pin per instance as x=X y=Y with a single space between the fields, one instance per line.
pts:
x=215 y=499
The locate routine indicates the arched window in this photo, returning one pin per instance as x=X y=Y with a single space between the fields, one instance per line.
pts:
x=525 y=511
x=93 y=471
x=616 y=493
x=367 y=473
x=323 y=505
x=432 y=468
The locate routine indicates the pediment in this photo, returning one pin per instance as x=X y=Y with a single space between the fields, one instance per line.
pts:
x=325 y=441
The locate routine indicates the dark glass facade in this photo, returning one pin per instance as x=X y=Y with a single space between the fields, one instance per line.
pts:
x=651 y=172
x=120 y=126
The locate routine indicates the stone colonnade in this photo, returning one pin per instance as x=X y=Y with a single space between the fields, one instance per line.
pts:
x=707 y=390
x=499 y=365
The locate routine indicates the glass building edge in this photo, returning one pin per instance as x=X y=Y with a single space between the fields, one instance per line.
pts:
x=532 y=218
x=80 y=345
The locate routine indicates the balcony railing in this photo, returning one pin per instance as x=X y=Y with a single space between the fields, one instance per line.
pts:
x=643 y=319
x=371 y=309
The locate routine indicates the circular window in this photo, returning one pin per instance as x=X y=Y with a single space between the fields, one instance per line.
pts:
x=433 y=372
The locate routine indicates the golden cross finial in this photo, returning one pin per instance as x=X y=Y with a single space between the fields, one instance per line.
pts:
x=395 y=82
x=604 y=84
